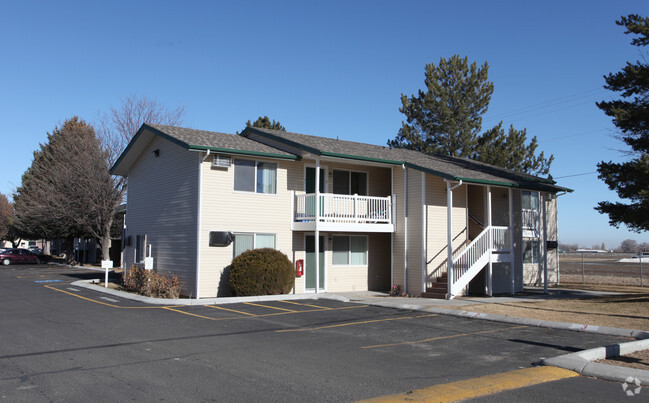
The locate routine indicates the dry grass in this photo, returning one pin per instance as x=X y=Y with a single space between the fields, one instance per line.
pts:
x=629 y=310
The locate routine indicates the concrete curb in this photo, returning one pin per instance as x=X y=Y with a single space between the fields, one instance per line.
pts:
x=89 y=284
x=582 y=362
x=605 y=330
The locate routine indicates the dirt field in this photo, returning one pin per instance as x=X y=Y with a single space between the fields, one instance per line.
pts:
x=602 y=268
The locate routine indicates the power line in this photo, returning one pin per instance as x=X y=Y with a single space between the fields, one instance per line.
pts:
x=570 y=176
x=565 y=102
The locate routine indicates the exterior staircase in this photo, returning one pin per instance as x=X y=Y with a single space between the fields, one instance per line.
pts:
x=439 y=289
x=468 y=263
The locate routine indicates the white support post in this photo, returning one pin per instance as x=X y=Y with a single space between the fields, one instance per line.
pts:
x=544 y=240
x=490 y=267
x=449 y=236
x=317 y=222
x=511 y=239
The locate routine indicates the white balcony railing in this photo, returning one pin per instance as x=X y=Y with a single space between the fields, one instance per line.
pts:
x=336 y=208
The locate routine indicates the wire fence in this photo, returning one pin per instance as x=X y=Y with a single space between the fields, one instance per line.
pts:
x=621 y=269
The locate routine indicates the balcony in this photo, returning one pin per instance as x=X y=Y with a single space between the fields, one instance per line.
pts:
x=349 y=213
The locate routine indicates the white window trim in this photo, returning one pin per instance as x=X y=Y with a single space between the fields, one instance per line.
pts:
x=349 y=251
x=254 y=239
x=234 y=169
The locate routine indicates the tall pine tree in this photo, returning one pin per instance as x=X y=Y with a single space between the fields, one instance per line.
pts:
x=631 y=116
x=446 y=119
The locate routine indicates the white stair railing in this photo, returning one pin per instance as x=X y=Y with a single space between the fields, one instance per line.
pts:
x=476 y=255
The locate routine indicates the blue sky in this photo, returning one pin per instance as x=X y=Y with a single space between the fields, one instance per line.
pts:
x=323 y=68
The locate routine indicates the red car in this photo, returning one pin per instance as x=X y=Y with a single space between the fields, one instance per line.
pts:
x=15 y=256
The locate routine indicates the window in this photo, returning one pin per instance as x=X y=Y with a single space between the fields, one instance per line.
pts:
x=244 y=242
x=349 y=250
x=350 y=182
x=255 y=176
x=529 y=200
x=530 y=251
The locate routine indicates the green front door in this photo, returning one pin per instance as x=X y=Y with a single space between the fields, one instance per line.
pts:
x=310 y=263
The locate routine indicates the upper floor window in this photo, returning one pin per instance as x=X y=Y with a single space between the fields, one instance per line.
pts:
x=255 y=176
x=529 y=200
x=350 y=182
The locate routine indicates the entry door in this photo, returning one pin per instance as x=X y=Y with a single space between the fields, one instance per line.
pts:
x=310 y=263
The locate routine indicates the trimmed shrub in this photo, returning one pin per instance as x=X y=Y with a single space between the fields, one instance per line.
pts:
x=264 y=271
x=150 y=283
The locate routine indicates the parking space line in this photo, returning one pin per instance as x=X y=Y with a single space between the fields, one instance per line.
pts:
x=324 y=308
x=443 y=337
x=306 y=329
x=271 y=307
x=173 y=308
x=231 y=310
x=481 y=386
x=104 y=303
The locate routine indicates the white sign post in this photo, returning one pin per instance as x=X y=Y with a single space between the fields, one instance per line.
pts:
x=106 y=264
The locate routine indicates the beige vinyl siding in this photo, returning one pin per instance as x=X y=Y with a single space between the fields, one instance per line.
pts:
x=477 y=208
x=553 y=254
x=224 y=209
x=533 y=272
x=501 y=278
x=437 y=219
x=162 y=204
x=415 y=257
x=500 y=207
x=378 y=178
x=399 y=236
x=374 y=276
x=518 y=240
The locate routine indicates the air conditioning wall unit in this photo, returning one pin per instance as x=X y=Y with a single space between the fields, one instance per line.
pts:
x=221 y=161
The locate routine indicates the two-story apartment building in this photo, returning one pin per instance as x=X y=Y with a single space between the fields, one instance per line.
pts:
x=360 y=216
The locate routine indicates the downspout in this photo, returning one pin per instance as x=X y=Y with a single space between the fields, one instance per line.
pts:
x=449 y=240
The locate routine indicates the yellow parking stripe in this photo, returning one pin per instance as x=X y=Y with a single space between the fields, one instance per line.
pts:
x=311 y=306
x=231 y=310
x=271 y=307
x=482 y=386
x=106 y=303
x=442 y=337
x=201 y=316
x=306 y=329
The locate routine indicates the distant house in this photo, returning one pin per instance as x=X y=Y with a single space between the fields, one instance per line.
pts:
x=360 y=216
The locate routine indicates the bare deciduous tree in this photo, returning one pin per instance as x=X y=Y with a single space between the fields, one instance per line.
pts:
x=117 y=127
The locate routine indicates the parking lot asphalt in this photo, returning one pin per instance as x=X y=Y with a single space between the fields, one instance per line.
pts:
x=62 y=342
